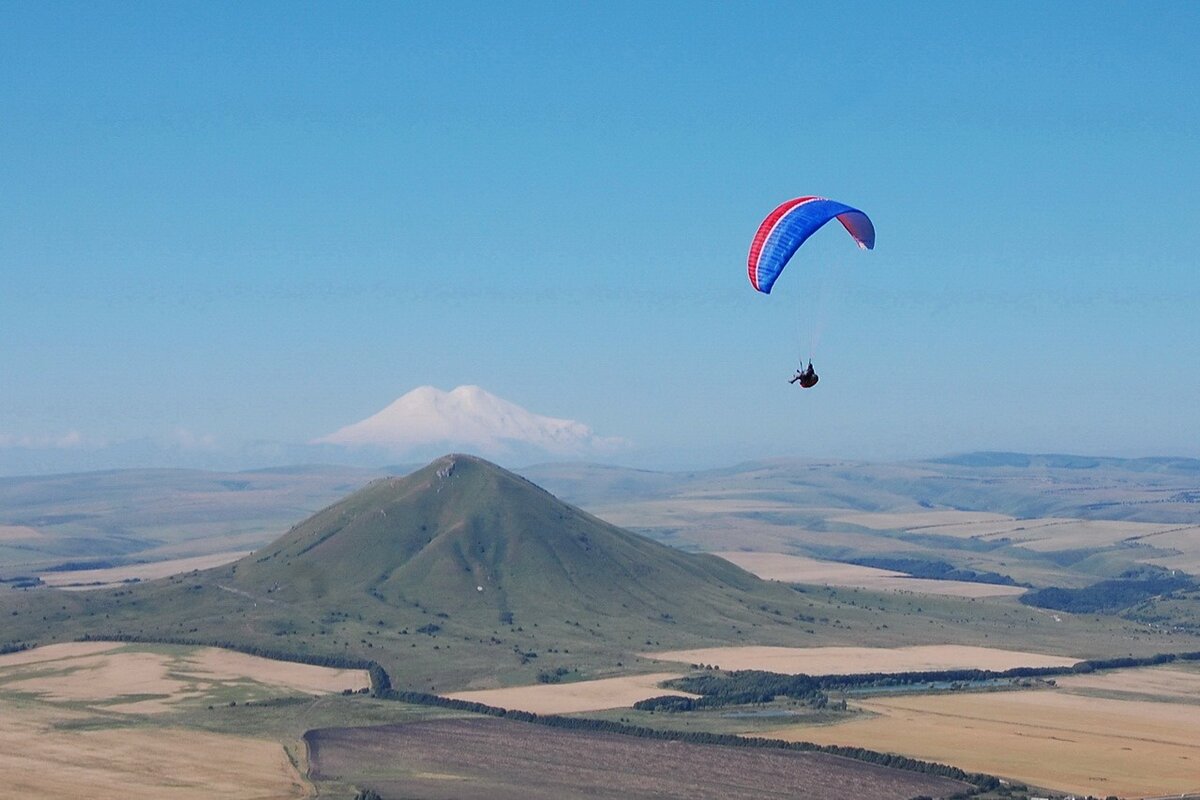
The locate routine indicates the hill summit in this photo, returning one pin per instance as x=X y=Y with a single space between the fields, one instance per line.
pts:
x=465 y=538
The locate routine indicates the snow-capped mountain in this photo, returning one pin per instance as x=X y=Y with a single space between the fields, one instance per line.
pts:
x=467 y=418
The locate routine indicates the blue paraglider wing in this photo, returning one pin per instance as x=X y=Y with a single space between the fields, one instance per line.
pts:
x=788 y=226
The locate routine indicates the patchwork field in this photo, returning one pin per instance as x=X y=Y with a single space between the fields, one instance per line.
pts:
x=1052 y=738
x=852 y=660
x=145 y=680
x=91 y=719
x=913 y=520
x=519 y=761
x=800 y=569
x=1041 y=535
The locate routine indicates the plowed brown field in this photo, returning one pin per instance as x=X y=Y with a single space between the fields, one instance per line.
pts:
x=463 y=759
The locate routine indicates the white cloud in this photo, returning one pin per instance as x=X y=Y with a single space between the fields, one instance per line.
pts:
x=187 y=440
x=64 y=441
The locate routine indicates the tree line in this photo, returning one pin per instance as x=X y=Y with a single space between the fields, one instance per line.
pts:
x=1108 y=596
x=746 y=687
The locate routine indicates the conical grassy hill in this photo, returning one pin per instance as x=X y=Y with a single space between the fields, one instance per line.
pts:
x=459 y=575
x=466 y=538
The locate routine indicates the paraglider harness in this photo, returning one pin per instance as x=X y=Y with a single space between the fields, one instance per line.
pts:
x=807 y=377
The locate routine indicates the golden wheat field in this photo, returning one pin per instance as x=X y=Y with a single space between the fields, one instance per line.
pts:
x=1068 y=738
x=42 y=756
x=850 y=660
x=105 y=578
x=79 y=720
x=568 y=698
x=801 y=569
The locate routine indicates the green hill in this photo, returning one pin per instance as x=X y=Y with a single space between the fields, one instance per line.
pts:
x=466 y=538
x=460 y=574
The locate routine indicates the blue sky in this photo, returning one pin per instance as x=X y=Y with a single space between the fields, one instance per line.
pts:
x=224 y=224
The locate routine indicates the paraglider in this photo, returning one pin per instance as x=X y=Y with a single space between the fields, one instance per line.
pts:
x=780 y=236
x=807 y=377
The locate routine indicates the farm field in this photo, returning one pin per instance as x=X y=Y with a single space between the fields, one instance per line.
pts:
x=47 y=752
x=911 y=520
x=152 y=679
x=801 y=569
x=112 y=576
x=1169 y=545
x=98 y=720
x=569 y=698
x=1130 y=733
x=850 y=660
x=1176 y=683
x=520 y=761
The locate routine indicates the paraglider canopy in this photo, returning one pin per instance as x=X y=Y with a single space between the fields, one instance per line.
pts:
x=788 y=226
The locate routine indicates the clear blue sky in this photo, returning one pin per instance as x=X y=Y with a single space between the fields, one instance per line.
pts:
x=224 y=223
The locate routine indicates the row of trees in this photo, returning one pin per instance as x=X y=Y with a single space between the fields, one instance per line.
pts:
x=742 y=687
x=745 y=687
x=1110 y=595
x=935 y=570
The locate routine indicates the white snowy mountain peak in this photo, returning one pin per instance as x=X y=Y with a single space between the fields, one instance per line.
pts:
x=467 y=418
